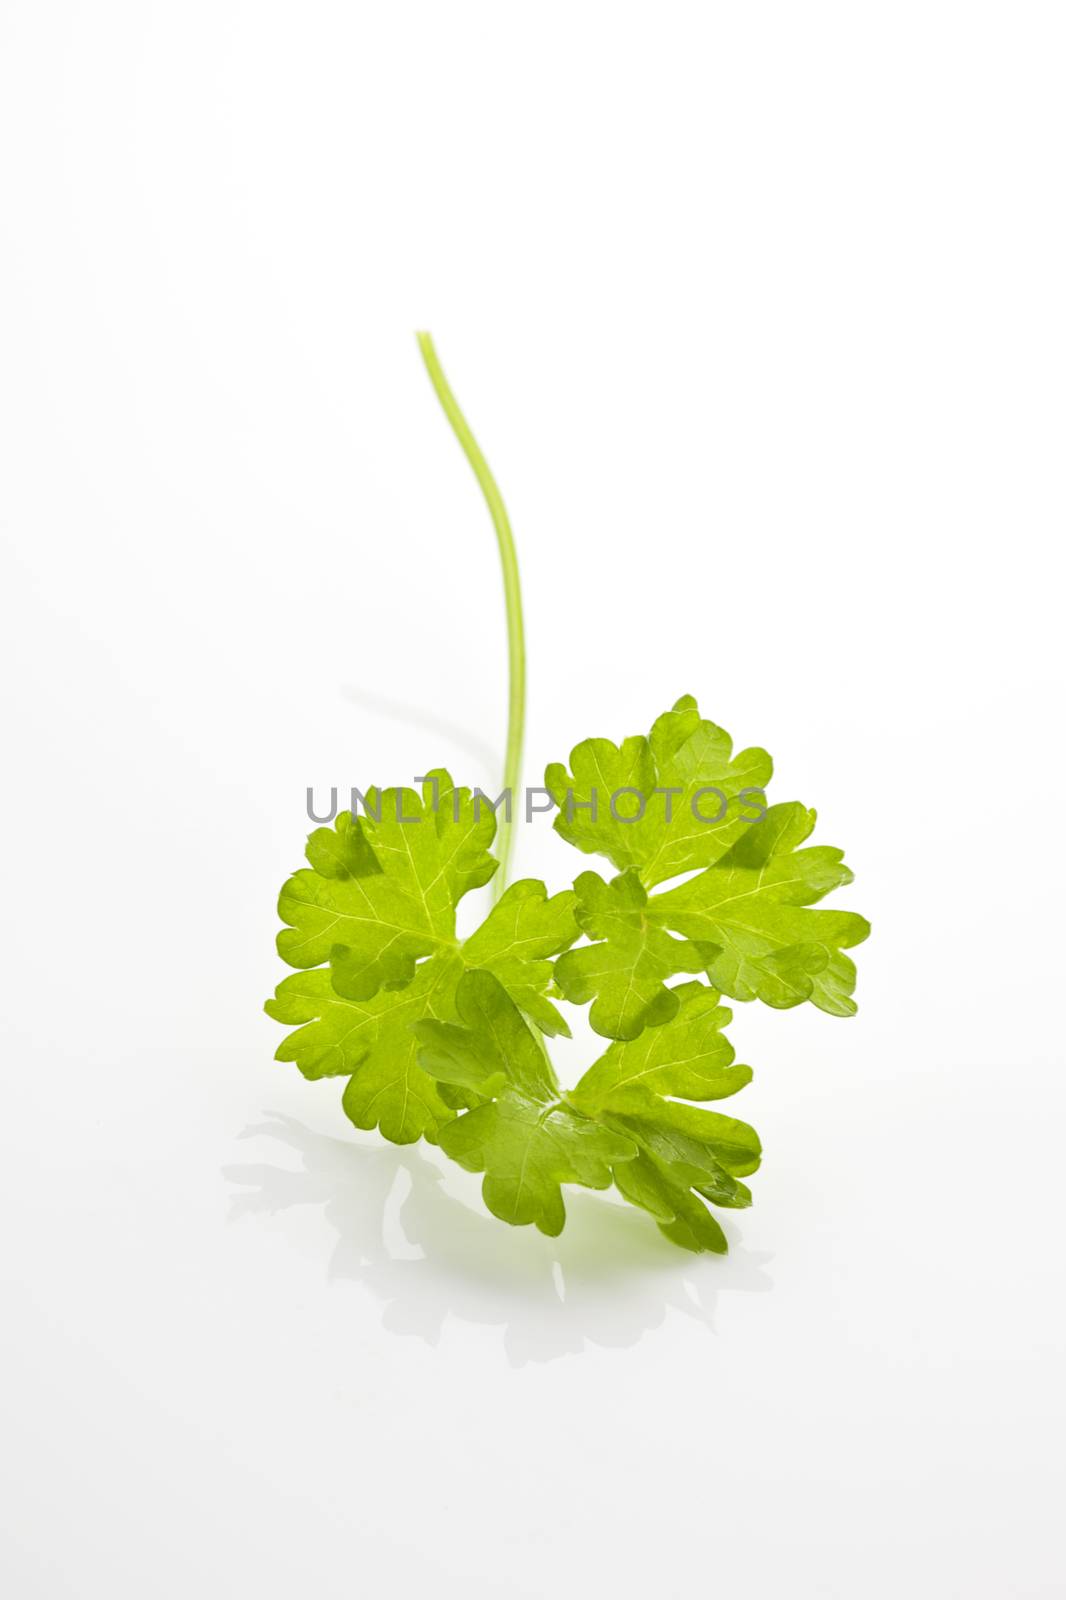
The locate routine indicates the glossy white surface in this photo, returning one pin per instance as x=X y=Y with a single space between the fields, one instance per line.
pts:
x=758 y=314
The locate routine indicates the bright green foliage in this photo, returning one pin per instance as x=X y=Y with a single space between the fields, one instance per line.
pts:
x=371 y=1043
x=444 y=1039
x=745 y=920
x=425 y=865
x=687 y=1056
x=341 y=851
x=625 y=969
x=392 y=900
x=685 y=1156
x=516 y=940
x=753 y=904
x=526 y=1139
x=682 y=755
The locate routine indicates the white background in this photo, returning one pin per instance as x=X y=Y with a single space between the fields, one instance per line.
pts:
x=758 y=313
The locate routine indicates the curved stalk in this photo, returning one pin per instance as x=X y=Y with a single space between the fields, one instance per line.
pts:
x=516 y=650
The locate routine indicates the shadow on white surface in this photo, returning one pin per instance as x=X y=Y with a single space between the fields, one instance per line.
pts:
x=460 y=737
x=606 y=1281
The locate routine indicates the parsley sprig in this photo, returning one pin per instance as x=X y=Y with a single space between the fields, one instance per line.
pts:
x=444 y=1039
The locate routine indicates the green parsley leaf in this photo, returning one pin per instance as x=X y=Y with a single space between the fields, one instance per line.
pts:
x=342 y=851
x=519 y=935
x=753 y=904
x=653 y=827
x=689 y=1058
x=685 y=1155
x=371 y=1043
x=626 y=968
x=528 y=1138
x=394 y=899
x=368 y=1037
x=527 y=1141
x=744 y=920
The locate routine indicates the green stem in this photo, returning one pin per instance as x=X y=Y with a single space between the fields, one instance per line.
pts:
x=516 y=649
